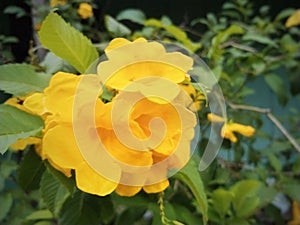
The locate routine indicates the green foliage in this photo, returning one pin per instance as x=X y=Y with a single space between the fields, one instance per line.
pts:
x=67 y=42
x=133 y=15
x=188 y=176
x=16 y=124
x=115 y=28
x=242 y=45
x=30 y=171
x=53 y=192
x=21 y=79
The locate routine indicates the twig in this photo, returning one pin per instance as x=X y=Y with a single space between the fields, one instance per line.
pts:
x=268 y=113
x=238 y=46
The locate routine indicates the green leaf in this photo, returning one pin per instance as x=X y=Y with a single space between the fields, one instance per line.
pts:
x=6 y=203
x=291 y=188
x=191 y=177
x=44 y=214
x=284 y=13
x=82 y=208
x=53 y=64
x=67 y=42
x=221 y=37
x=277 y=86
x=21 y=79
x=133 y=15
x=259 y=38
x=275 y=162
x=154 y=23
x=16 y=124
x=30 y=171
x=68 y=182
x=245 y=200
x=53 y=192
x=15 y=10
x=130 y=215
x=185 y=215
x=221 y=201
x=115 y=28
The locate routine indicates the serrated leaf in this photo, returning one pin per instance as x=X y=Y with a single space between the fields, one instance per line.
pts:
x=53 y=192
x=21 y=79
x=191 y=177
x=67 y=42
x=30 y=171
x=40 y=215
x=16 y=124
x=82 y=208
x=69 y=183
x=115 y=28
x=133 y=15
x=277 y=86
x=245 y=199
x=221 y=201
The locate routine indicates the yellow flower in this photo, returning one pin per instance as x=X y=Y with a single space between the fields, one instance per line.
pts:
x=85 y=10
x=152 y=146
x=130 y=61
x=229 y=129
x=296 y=214
x=18 y=102
x=197 y=97
x=54 y=3
x=293 y=20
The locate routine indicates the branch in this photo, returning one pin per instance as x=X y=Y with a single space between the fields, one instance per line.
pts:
x=271 y=117
x=238 y=46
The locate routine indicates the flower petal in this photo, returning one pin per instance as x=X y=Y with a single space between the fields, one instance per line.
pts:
x=247 y=131
x=139 y=59
x=36 y=104
x=214 y=118
x=62 y=84
x=125 y=190
x=155 y=188
x=88 y=180
x=59 y=145
x=227 y=133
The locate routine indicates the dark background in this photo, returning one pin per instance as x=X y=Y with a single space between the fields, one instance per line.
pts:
x=178 y=10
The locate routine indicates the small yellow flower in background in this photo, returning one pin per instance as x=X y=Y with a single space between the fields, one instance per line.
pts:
x=54 y=3
x=229 y=129
x=293 y=20
x=85 y=10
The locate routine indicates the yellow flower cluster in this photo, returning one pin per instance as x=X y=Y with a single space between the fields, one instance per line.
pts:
x=140 y=72
x=229 y=129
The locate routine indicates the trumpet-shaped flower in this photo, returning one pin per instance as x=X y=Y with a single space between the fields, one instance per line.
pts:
x=229 y=129
x=132 y=141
